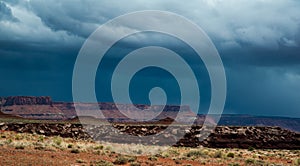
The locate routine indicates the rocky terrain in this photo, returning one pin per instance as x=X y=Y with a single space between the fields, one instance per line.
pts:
x=222 y=136
x=246 y=131
x=25 y=100
x=43 y=108
x=250 y=120
x=31 y=107
x=36 y=149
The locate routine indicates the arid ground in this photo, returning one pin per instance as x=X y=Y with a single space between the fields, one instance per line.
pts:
x=37 y=131
x=34 y=149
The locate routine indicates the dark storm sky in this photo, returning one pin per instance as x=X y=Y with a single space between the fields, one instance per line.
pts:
x=258 y=41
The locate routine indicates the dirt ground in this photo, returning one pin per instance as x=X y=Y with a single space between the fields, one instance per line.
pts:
x=32 y=149
x=12 y=156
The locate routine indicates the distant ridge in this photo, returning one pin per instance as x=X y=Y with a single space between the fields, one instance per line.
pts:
x=45 y=109
x=8 y=116
x=26 y=100
x=42 y=107
x=252 y=120
x=30 y=107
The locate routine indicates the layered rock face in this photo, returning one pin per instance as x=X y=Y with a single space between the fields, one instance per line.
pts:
x=31 y=107
x=112 y=113
x=221 y=137
x=42 y=107
x=26 y=100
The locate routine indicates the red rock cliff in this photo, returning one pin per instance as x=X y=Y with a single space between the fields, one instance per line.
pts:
x=27 y=100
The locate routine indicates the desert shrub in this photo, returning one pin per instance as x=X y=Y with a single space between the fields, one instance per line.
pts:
x=120 y=160
x=177 y=161
x=230 y=155
x=206 y=152
x=140 y=151
x=41 y=138
x=8 y=141
x=20 y=147
x=158 y=155
x=108 y=148
x=39 y=147
x=297 y=161
x=250 y=161
x=165 y=155
x=57 y=140
x=18 y=137
x=75 y=151
x=202 y=162
x=240 y=154
x=98 y=152
x=234 y=164
x=103 y=163
x=80 y=161
x=174 y=152
x=135 y=164
x=70 y=146
x=259 y=162
x=100 y=147
x=250 y=148
x=152 y=158
x=196 y=153
x=218 y=154
x=132 y=159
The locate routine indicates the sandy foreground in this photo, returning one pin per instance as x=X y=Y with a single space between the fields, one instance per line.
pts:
x=34 y=149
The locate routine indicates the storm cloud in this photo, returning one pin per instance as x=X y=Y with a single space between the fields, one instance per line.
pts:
x=5 y=13
x=259 y=43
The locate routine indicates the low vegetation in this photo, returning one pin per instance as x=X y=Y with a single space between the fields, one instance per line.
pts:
x=67 y=151
x=121 y=160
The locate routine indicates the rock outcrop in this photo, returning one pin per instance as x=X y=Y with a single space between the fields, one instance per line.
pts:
x=221 y=137
x=26 y=100
x=47 y=129
x=244 y=137
x=31 y=107
x=44 y=108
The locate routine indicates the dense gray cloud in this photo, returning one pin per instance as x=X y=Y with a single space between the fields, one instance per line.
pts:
x=28 y=41
x=259 y=23
x=259 y=42
x=231 y=23
x=30 y=27
x=260 y=27
x=5 y=13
